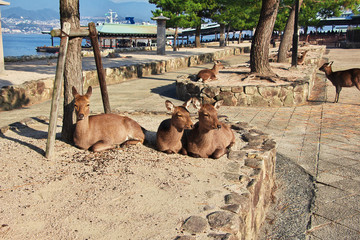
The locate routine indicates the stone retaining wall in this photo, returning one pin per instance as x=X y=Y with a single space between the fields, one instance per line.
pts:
x=250 y=173
x=289 y=94
x=29 y=93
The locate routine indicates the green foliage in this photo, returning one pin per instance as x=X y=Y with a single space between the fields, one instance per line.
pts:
x=173 y=9
x=244 y=14
x=311 y=11
x=241 y=15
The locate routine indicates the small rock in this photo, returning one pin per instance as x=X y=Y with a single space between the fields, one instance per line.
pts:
x=194 y=225
x=224 y=221
x=231 y=176
x=232 y=208
x=233 y=198
x=254 y=162
x=226 y=236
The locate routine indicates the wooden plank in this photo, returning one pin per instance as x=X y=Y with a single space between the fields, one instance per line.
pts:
x=99 y=67
x=80 y=32
x=59 y=78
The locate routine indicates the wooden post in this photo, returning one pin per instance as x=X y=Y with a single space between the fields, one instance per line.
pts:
x=99 y=67
x=59 y=78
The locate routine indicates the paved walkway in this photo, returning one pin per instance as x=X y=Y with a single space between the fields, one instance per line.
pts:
x=322 y=137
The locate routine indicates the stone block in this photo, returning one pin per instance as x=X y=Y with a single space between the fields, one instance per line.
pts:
x=289 y=100
x=211 y=91
x=237 y=89
x=228 y=97
x=269 y=92
x=195 y=225
x=236 y=155
x=259 y=101
x=254 y=163
x=250 y=90
x=224 y=221
x=193 y=89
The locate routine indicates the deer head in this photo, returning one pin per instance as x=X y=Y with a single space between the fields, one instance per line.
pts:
x=82 y=103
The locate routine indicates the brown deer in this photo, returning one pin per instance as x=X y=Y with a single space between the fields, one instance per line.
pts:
x=103 y=131
x=210 y=74
x=301 y=59
x=170 y=131
x=340 y=79
x=209 y=137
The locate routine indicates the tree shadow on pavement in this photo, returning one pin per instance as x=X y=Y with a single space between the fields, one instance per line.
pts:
x=24 y=130
x=168 y=91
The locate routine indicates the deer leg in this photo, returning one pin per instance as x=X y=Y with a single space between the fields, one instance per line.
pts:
x=338 y=90
x=357 y=84
x=218 y=153
x=131 y=142
x=183 y=151
x=101 y=146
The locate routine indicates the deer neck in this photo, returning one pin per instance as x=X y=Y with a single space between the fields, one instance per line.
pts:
x=82 y=126
x=215 y=69
x=328 y=71
x=176 y=132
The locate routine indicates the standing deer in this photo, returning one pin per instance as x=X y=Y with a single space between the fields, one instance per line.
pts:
x=170 y=131
x=340 y=79
x=209 y=137
x=103 y=131
x=210 y=74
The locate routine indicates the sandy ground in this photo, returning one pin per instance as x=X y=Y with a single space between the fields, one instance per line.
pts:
x=130 y=193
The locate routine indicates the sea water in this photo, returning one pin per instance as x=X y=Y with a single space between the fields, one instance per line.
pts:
x=25 y=44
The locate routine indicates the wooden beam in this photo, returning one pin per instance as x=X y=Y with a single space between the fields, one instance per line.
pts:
x=80 y=32
x=59 y=78
x=99 y=67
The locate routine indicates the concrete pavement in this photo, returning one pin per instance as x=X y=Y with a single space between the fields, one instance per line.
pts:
x=321 y=137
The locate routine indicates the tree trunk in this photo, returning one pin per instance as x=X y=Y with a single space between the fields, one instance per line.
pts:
x=259 y=55
x=227 y=35
x=240 y=40
x=175 y=39
x=197 y=36
x=286 y=40
x=222 y=35
x=69 y=12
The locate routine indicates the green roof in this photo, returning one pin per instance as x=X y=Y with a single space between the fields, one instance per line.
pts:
x=129 y=30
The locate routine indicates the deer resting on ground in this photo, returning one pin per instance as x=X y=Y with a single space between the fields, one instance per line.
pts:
x=103 y=131
x=209 y=137
x=210 y=74
x=340 y=79
x=301 y=59
x=170 y=131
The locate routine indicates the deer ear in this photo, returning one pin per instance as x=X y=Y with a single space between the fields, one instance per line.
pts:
x=169 y=106
x=89 y=91
x=218 y=104
x=74 y=92
x=331 y=63
x=196 y=103
x=187 y=103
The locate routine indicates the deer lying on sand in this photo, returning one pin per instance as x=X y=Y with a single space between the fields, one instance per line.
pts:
x=209 y=137
x=345 y=78
x=210 y=74
x=103 y=131
x=170 y=131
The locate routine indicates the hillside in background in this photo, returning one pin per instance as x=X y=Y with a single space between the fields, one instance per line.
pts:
x=48 y=10
x=20 y=13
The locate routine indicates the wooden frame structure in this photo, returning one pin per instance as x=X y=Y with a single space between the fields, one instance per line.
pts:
x=65 y=33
